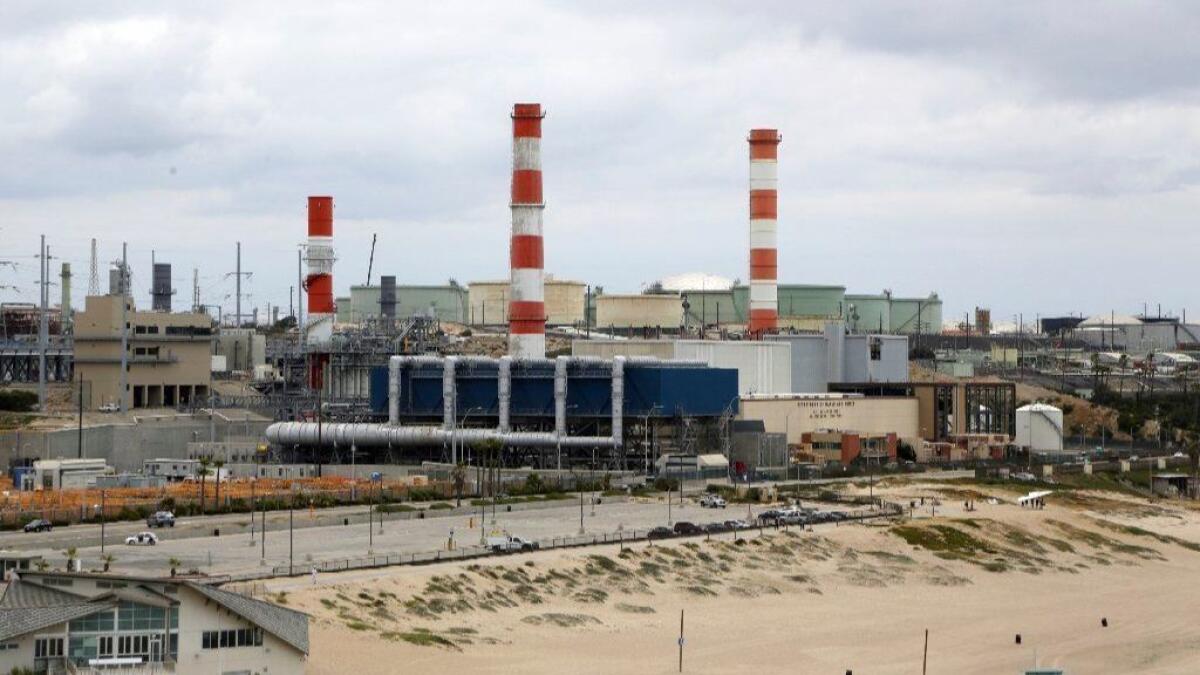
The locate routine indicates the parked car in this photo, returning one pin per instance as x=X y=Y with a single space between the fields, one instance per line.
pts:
x=509 y=544
x=715 y=528
x=660 y=533
x=683 y=527
x=160 y=519
x=39 y=525
x=737 y=524
x=770 y=515
x=110 y=408
x=142 y=539
x=794 y=518
x=712 y=502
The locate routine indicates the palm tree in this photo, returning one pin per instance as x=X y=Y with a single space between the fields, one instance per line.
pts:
x=459 y=476
x=217 y=499
x=174 y=563
x=202 y=469
x=107 y=559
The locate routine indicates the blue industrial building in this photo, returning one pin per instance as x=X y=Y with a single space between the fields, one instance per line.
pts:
x=651 y=391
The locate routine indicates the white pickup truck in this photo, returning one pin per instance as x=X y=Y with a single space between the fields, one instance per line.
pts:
x=509 y=544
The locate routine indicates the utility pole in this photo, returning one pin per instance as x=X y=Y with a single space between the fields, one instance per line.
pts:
x=80 y=415
x=123 y=393
x=43 y=328
x=238 y=301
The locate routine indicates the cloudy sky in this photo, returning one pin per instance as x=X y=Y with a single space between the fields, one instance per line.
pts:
x=1029 y=157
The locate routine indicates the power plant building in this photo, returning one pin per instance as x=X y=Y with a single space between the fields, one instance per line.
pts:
x=169 y=355
x=639 y=311
x=444 y=302
x=763 y=367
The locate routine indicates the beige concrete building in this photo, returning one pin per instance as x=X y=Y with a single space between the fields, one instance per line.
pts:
x=800 y=414
x=565 y=302
x=169 y=355
x=639 y=311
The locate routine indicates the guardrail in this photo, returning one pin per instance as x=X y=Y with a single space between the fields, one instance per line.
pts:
x=885 y=510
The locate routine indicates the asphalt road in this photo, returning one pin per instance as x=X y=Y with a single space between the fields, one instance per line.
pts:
x=237 y=550
x=321 y=535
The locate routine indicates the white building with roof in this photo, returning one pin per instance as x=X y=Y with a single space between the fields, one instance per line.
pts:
x=82 y=623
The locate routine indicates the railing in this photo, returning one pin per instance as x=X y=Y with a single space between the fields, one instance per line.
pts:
x=884 y=510
x=142 y=668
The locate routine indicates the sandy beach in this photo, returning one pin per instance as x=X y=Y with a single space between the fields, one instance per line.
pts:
x=856 y=597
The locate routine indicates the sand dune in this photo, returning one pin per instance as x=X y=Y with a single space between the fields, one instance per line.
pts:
x=855 y=597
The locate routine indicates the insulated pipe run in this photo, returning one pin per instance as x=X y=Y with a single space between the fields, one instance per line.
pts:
x=382 y=435
x=560 y=395
x=618 y=400
x=504 y=391
x=449 y=392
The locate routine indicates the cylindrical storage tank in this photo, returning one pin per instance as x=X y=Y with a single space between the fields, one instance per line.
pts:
x=487 y=303
x=868 y=313
x=764 y=367
x=911 y=316
x=1039 y=427
x=564 y=302
x=639 y=311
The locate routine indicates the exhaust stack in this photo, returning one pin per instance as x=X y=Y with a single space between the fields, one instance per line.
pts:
x=764 y=211
x=526 y=306
x=319 y=282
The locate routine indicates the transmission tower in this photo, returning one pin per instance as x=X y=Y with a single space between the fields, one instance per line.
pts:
x=94 y=278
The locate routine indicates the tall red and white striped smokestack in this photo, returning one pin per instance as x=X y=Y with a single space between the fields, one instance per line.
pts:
x=764 y=210
x=526 y=303
x=319 y=282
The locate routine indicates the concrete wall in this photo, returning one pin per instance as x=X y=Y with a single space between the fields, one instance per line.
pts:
x=891 y=366
x=809 y=362
x=797 y=415
x=126 y=446
x=606 y=349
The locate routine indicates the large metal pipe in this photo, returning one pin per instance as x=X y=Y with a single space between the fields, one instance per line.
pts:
x=560 y=395
x=383 y=435
x=504 y=391
x=449 y=391
x=618 y=400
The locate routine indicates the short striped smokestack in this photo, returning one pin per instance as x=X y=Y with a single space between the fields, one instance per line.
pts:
x=319 y=281
x=526 y=303
x=764 y=302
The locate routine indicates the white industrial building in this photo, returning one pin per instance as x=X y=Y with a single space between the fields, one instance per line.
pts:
x=763 y=367
x=818 y=359
x=57 y=474
x=1039 y=428
x=83 y=623
x=1118 y=332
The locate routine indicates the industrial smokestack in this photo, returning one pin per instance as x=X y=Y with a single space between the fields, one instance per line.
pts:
x=319 y=282
x=65 y=301
x=387 y=297
x=160 y=289
x=526 y=306
x=764 y=298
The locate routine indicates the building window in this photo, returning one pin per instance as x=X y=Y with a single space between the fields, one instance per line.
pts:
x=47 y=648
x=226 y=639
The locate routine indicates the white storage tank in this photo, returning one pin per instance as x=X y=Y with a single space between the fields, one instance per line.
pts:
x=1039 y=428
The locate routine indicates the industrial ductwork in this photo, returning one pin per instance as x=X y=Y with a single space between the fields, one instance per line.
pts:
x=394 y=435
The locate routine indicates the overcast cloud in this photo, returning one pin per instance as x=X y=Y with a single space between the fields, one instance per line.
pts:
x=1030 y=157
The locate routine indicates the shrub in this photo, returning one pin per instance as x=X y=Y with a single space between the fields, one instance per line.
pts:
x=16 y=400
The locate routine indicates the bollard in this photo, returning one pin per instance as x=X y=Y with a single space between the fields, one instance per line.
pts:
x=1018 y=638
x=345 y=521
x=1104 y=622
x=216 y=531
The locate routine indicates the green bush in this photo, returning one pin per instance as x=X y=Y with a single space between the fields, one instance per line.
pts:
x=16 y=400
